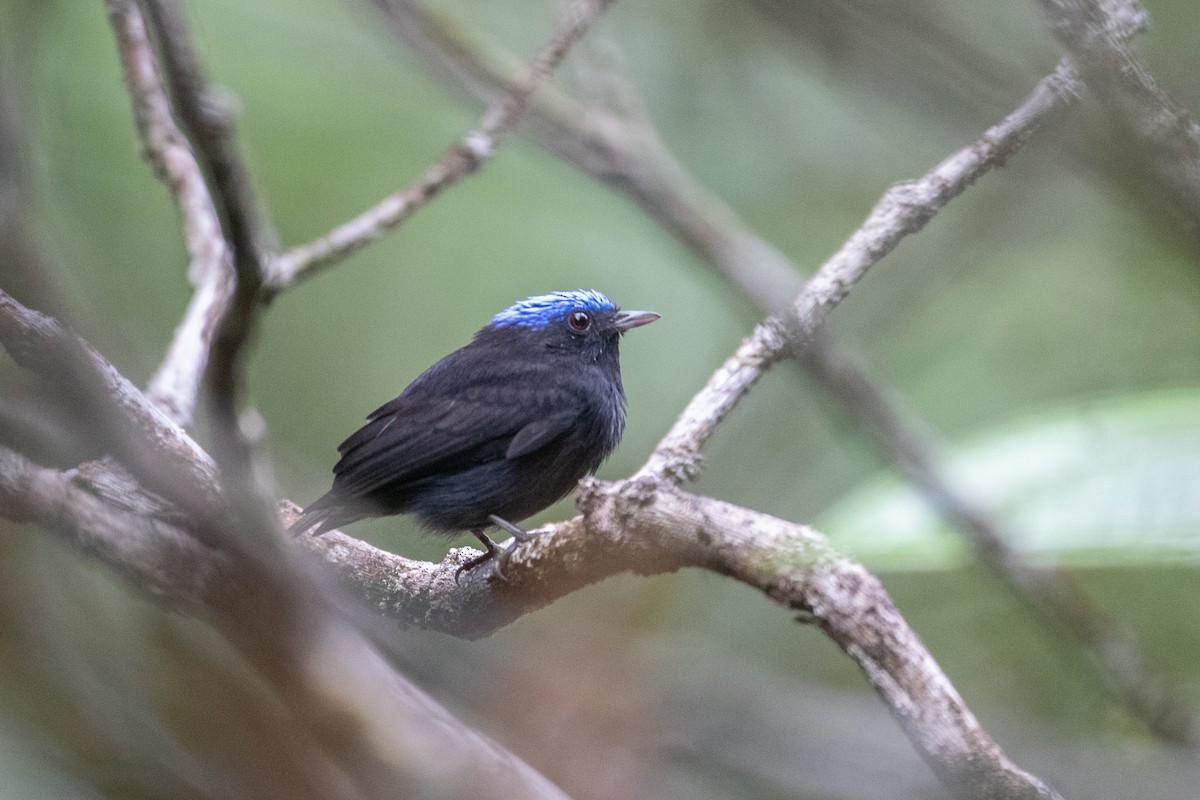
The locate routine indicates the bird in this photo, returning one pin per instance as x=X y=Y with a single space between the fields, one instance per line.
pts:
x=494 y=432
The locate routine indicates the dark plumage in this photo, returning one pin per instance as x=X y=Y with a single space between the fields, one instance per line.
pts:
x=497 y=430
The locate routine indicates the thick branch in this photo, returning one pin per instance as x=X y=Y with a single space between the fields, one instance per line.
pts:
x=162 y=456
x=648 y=526
x=644 y=525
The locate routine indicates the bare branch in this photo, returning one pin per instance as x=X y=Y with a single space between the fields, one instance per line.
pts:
x=463 y=159
x=176 y=382
x=208 y=118
x=613 y=140
x=649 y=526
x=341 y=687
x=903 y=210
x=646 y=525
x=1155 y=130
x=1055 y=593
x=907 y=207
x=666 y=527
x=626 y=153
x=162 y=456
x=679 y=455
x=211 y=130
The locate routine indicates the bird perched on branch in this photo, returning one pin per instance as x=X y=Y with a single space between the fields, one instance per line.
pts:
x=497 y=430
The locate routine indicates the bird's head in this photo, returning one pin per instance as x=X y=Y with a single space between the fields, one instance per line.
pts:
x=582 y=321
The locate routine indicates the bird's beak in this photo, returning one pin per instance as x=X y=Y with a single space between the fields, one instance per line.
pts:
x=628 y=320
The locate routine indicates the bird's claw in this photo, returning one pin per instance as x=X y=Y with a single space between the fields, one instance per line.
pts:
x=494 y=552
x=473 y=563
x=499 y=556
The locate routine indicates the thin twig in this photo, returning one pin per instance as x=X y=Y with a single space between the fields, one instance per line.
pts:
x=903 y=210
x=1154 y=130
x=176 y=383
x=210 y=128
x=464 y=158
x=1056 y=594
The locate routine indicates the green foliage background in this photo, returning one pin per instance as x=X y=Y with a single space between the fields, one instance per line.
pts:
x=1055 y=282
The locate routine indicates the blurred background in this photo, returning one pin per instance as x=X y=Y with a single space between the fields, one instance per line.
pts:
x=1044 y=327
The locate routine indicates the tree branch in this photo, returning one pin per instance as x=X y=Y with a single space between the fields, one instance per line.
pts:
x=613 y=140
x=165 y=459
x=464 y=158
x=176 y=383
x=210 y=127
x=337 y=686
x=650 y=526
x=646 y=525
x=634 y=161
x=904 y=209
x=1155 y=130
x=788 y=562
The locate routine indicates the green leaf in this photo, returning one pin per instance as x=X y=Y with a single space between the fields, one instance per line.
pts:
x=1115 y=481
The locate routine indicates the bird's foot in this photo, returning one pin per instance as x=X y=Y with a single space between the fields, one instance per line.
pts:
x=519 y=537
x=493 y=551
x=519 y=534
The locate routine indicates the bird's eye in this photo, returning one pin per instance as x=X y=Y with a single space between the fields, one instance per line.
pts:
x=579 y=321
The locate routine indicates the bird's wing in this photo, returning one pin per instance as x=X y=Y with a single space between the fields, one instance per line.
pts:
x=416 y=439
x=426 y=431
x=539 y=433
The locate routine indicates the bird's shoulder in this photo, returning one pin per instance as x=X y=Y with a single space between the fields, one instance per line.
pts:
x=477 y=382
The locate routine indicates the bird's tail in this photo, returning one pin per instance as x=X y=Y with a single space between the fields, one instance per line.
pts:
x=322 y=514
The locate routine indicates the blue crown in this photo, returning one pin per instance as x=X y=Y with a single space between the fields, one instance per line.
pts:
x=540 y=311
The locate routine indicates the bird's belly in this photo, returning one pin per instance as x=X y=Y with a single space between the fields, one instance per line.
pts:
x=512 y=489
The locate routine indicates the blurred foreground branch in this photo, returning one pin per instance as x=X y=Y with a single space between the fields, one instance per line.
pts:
x=1154 y=130
x=363 y=725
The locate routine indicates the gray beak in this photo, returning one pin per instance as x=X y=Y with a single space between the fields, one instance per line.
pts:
x=628 y=320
